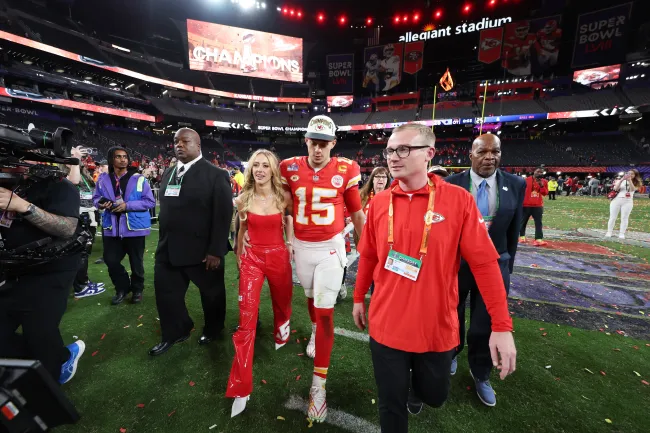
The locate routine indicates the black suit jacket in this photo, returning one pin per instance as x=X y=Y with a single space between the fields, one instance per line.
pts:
x=504 y=230
x=197 y=222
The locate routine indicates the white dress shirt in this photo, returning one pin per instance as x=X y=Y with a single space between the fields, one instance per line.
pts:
x=187 y=166
x=492 y=189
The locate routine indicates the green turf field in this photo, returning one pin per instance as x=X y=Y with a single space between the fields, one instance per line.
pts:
x=118 y=386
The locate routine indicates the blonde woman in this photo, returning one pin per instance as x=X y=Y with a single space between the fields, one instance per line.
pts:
x=262 y=206
x=623 y=202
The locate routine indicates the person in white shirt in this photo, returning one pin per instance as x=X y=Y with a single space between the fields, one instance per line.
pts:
x=623 y=202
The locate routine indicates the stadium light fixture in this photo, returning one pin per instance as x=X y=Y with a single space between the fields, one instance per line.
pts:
x=492 y=2
x=285 y=11
x=416 y=17
x=438 y=13
x=343 y=19
x=369 y=21
x=467 y=8
x=279 y=9
x=246 y=4
x=397 y=20
x=321 y=18
x=405 y=18
x=299 y=14
x=292 y=12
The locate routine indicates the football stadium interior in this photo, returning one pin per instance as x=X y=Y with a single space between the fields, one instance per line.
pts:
x=564 y=84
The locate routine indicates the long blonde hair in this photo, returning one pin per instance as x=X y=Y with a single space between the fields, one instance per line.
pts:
x=248 y=190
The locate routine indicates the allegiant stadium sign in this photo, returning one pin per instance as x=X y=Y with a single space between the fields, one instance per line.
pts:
x=485 y=23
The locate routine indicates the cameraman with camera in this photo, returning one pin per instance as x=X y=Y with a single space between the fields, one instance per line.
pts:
x=34 y=297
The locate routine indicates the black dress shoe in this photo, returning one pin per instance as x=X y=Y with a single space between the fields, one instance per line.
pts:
x=136 y=298
x=118 y=299
x=414 y=404
x=164 y=346
x=205 y=340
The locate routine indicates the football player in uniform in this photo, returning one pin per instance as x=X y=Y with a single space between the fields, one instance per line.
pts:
x=321 y=186
x=516 y=49
x=372 y=65
x=548 y=44
x=390 y=65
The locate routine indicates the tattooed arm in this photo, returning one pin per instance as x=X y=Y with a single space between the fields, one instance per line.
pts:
x=55 y=225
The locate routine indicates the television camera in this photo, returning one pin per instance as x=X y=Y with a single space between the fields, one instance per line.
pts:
x=26 y=158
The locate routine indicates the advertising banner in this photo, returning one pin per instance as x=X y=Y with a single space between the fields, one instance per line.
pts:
x=601 y=36
x=383 y=67
x=531 y=46
x=251 y=53
x=89 y=61
x=252 y=97
x=340 y=101
x=489 y=46
x=413 y=57
x=35 y=97
x=340 y=74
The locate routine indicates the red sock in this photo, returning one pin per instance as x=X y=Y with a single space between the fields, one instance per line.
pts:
x=324 y=340
x=310 y=307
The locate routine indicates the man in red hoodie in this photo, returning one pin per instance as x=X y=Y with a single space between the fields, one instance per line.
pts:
x=536 y=189
x=415 y=234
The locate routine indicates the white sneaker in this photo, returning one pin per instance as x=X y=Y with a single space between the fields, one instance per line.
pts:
x=311 y=347
x=621 y=236
x=608 y=234
x=239 y=405
x=317 y=411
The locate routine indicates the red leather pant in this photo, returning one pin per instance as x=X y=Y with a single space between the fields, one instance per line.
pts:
x=273 y=264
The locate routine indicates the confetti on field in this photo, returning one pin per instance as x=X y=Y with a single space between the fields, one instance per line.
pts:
x=301 y=354
x=297 y=377
x=103 y=336
x=589 y=371
x=373 y=401
x=542 y=329
x=127 y=326
x=310 y=423
x=534 y=265
x=585 y=397
x=75 y=337
x=297 y=340
x=192 y=383
x=122 y=430
x=548 y=366
x=645 y=382
x=212 y=427
x=636 y=373
x=294 y=369
x=95 y=353
x=141 y=316
x=544 y=334
x=141 y=405
x=469 y=388
x=608 y=421
x=602 y=373
x=635 y=347
x=140 y=325
x=171 y=413
x=280 y=418
x=293 y=331
x=264 y=381
x=617 y=350
x=568 y=333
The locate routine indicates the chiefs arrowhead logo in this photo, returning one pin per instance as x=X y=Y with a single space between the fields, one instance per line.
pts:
x=489 y=43
x=320 y=127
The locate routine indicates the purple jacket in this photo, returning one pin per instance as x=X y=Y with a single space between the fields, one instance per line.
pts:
x=136 y=221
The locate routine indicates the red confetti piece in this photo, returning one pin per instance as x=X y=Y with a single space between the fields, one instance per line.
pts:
x=264 y=381
x=618 y=313
x=304 y=339
x=192 y=383
x=141 y=316
x=603 y=373
x=294 y=331
x=171 y=413
x=619 y=332
x=294 y=369
x=557 y=378
x=141 y=405
x=544 y=334
x=568 y=333
x=103 y=336
x=601 y=329
x=297 y=340
x=645 y=382
x=635 y=347
x=297 y=377
x=301 y=354
x=469 y=388
x=122 y=430
x=95 y=352
x=542 y=329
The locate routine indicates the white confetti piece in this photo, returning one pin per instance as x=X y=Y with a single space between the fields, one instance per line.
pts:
x=548 y=366
x=212 y=427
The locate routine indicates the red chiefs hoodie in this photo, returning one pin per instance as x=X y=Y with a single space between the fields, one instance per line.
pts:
x=534 y=193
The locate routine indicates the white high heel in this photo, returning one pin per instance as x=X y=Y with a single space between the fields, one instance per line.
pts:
x=239 y=405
